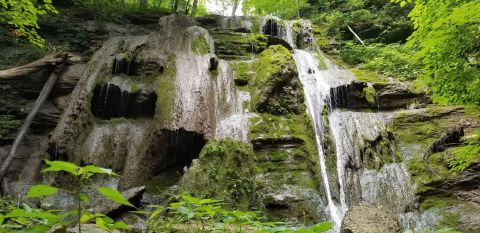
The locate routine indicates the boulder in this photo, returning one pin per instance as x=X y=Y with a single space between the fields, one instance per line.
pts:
x=277 y=87
x=368 y=219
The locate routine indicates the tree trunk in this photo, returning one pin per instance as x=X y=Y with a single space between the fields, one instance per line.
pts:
x=187 y=7
x=235 y=7
x=50 y=60
x=143 y=4
x=194 y=7
x=175 y=6
x=47 y=88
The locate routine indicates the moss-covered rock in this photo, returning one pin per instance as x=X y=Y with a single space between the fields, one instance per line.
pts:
x=276 y=88
x=287 y=173
x=200 y=45
x=448 y=187
x=226 y=171
x=236 y=45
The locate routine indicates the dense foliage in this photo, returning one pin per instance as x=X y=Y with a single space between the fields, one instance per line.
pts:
x=287 y=9
x=25 y=218
x=372 y=20
x=22 y=16
x=447 y=35
x=190 y=214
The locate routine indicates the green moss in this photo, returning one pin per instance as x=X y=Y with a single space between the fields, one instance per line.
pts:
x=368 y=76
x=243 y=70
x=239 y=46
x=370 y=95
x=8 y=124
x=434 y=202
x=381 y=151
x=166 y=93
x=420 y=175
x=275 y=127
x=321 y=62
x=256 y=25
x=271 y=62
x=274 y=86
x=225 y=171
x=200 y=45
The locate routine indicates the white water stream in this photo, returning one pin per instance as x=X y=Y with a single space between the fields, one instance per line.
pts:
x=350 y=130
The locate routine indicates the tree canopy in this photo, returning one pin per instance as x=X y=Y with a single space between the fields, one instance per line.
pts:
x=447 y=36
x=22 y=16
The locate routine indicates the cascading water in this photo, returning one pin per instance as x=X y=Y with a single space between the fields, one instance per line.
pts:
x=350 y=130
x=317 y=88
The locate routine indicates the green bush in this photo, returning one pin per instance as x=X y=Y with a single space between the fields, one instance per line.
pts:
x=389 y=60
x=190 y=214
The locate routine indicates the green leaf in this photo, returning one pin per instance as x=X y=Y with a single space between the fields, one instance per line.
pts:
x=34 y=214
x=84 y=197
x=114 y=195
x=121 y=225
x=2 y=218
x=41 y=190
x=56 y=166
x=86 y=217
x=159 y=210
x=98 y=170
x=190 y=199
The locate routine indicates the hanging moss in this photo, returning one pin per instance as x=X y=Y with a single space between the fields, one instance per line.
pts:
x=200 y=45
x=166 y=93
x=370 y=95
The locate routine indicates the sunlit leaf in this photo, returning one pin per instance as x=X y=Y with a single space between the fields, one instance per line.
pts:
x=114 y=195
x=56 y=166
x=98 y=170
x=41 y=190
x=121 y=225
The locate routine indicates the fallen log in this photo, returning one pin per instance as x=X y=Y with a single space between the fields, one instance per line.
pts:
x=48 y=61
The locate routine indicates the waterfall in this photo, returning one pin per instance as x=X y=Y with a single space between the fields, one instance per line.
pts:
x=390 y=186
x=317 y=84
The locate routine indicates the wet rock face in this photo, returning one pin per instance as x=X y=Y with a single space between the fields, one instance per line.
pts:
x=385 y=96
x=170 y=151
x=285 y=174
x=273 y=28
x=369 y=219
x=110 y=101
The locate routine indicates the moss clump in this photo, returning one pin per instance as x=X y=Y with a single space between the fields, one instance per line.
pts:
x=8 y=124
x=200 y=45
x=243 y=72
x=321 y=62
x=370 y=95
x=368 y=76
x=275 y=86
x=225 y=171
x=165 y=89
x=381 y=151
